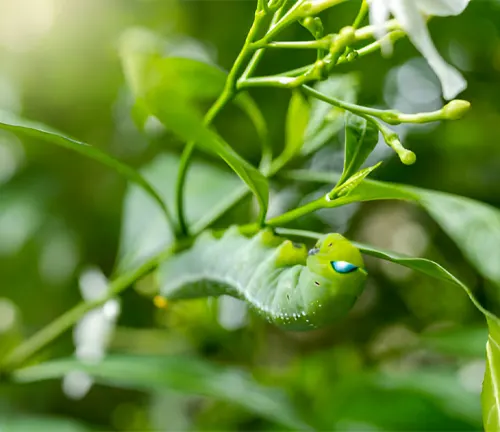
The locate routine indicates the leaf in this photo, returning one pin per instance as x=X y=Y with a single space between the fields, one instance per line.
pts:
x=467 y=341
x=144 y=231
x=473 y=225
x=368 y=190
x=181 y=374
x=26 y=422
x=490 y=397
x=296 y=124
x=169 y=87
x=425 y=266
x=165 y=96
x=361 y=137
x=325 y=121
x=200 y=81
x=441 y=386
x=252 y=110
x=491 y=385
x=354 y=181
x=37 y=130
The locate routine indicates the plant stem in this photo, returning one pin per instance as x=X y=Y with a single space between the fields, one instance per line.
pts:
x=298 y=212
x=315 y=44
x=257 y=55
x=369 y=32
x=32 y=345
x=363 y=10
x=226 y=96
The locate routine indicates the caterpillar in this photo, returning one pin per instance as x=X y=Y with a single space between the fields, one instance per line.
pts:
x=281 y=280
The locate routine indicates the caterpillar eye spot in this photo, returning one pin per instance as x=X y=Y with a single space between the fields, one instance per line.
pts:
x=343 y=267
x=313 y=251
x=330 y=245
x=316 y=283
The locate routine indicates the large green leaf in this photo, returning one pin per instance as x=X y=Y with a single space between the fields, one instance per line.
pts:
x=490 y=396
x=28 y=423
x=144 y=231
x=469 y=341
x=169 y=89
x=491 y=384
x=166 y=97
x=473 y=225
x=42 y=132
x=425 y=266
x=441 y=386
x=181 y=374
x=296 y=123
x=361 y=137
x=325 y=121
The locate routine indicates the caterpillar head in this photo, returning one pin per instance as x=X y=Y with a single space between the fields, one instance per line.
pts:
x=338 y=277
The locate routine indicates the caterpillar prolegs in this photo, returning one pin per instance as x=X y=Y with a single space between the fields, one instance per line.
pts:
x=281 y=280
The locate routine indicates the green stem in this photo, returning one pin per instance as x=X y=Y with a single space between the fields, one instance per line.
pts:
x=354 y=108
x=369 y=32
x=368 y=49
x=363 y=10
x=226 y=96
x=298 y=212
x=257 y=55
x=35 y=343
x=323 y=43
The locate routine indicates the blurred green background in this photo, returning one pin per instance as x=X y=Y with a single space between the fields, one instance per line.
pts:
x=408 y=357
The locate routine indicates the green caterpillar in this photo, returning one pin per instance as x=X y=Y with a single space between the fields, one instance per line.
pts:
x=283 y=281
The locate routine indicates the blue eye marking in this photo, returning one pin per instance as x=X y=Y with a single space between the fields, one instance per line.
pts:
x=343 y=267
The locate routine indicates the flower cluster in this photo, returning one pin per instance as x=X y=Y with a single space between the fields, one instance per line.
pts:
x=411 y=16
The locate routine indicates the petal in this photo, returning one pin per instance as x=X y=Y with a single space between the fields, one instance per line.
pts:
x=442 y=7
x=411 y=20
x=379 y=14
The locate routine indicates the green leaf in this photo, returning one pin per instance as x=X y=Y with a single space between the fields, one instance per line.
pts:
x=346 y=187
x=199 y=81
x=368 y=190
x=144 y=230
x=361 y=137
x=491 y=384
x=473 y=225
x=490 y=397
x=325 y=121
x=165 y=95
x=252 y=110
x=181 y=374
x=296 y=124
x=27 y=422
x=42 y=132
x=425 y=266
x=467 y=341
x=441 y=386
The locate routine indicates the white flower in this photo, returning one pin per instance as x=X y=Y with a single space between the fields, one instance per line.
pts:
x=411 y=16
x=92 y=333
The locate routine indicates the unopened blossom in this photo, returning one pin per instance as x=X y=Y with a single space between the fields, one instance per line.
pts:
x=411 y=15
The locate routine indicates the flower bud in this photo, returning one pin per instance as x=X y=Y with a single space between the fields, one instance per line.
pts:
x=314 y=25
x=406 y=156
x=455 y=109
x=314 y=7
